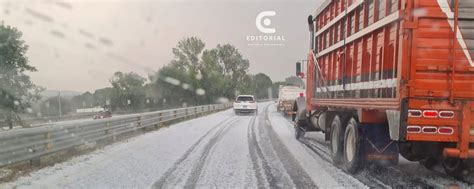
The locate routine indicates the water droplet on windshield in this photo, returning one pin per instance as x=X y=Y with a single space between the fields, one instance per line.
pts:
x=172 y=81
x=200 y=91
x=185 y=86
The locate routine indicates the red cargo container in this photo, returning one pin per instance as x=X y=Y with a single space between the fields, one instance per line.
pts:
x=392 y=76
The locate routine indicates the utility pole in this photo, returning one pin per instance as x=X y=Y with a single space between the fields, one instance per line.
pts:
x=59 y=100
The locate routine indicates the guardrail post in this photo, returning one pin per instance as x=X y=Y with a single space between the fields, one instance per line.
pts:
x=175 y=114
x=108 y=131
x=139 y=123
x=36 y=161
x=186 y=113
x=202 y=110
x=160 y=119
x=48 y=138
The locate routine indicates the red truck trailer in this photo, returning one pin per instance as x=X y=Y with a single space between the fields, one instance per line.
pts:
x=389 y=77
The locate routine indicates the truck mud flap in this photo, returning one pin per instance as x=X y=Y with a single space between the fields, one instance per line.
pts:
x=378 y=147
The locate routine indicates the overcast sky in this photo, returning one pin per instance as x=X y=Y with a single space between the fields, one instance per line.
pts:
x=78 y=45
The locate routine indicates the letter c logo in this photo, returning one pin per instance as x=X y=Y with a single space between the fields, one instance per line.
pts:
x=266 y=22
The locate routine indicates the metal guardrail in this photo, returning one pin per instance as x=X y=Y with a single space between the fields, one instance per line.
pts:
x=39 y=121
x=32 y=143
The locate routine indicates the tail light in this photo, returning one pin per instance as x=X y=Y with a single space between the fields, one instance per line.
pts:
x=413 y=129
x=430 y=113
x=429 y=130
x=446 y=130
x=446 y=114
x=414 y=113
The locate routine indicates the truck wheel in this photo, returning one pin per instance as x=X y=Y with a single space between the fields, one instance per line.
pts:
x=352 y=147
x=455 y=167
x=336 y=140
x=429 y=162
x=406 y=150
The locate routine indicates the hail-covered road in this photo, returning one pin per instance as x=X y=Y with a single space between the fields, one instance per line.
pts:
x=222 y=150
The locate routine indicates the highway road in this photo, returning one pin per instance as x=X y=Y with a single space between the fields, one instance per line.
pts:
x=224 y=150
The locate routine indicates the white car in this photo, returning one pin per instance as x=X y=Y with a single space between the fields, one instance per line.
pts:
x=245 y=104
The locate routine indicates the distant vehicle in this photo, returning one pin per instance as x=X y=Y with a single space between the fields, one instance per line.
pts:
x=287 y=96
x=90 y=110
x=102 y=115
x=245 y=104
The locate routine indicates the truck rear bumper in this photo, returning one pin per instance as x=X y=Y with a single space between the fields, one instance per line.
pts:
x=456 y=153
x=462 y=150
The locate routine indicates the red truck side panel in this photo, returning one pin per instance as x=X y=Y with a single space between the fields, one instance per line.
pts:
x=375 y=55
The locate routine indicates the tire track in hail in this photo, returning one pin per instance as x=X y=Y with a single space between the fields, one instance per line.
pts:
x=162 y=181
x=196 y=171
x=259 y=163
x=320 y=150
x=298 y=175
x=379 y=176
x=373 y=176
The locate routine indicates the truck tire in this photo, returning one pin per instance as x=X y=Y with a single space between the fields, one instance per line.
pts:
x=352 y=158
x=406 y=150
x=336 y=140
x=429 y=162
x=455 y=167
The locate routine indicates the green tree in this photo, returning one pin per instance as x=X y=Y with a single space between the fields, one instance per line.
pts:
x=293 y=80
x=225 y=72
x=128 y=91
x=16 y=89
x=102 y=96
x=175 y=86
x=187 y=53
x=151 y=96
x=85 y=100
x=262 y=84
x=232 y=62
x=276 y=87
x=220 y=72
x=50 y=107
x=217 y=83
